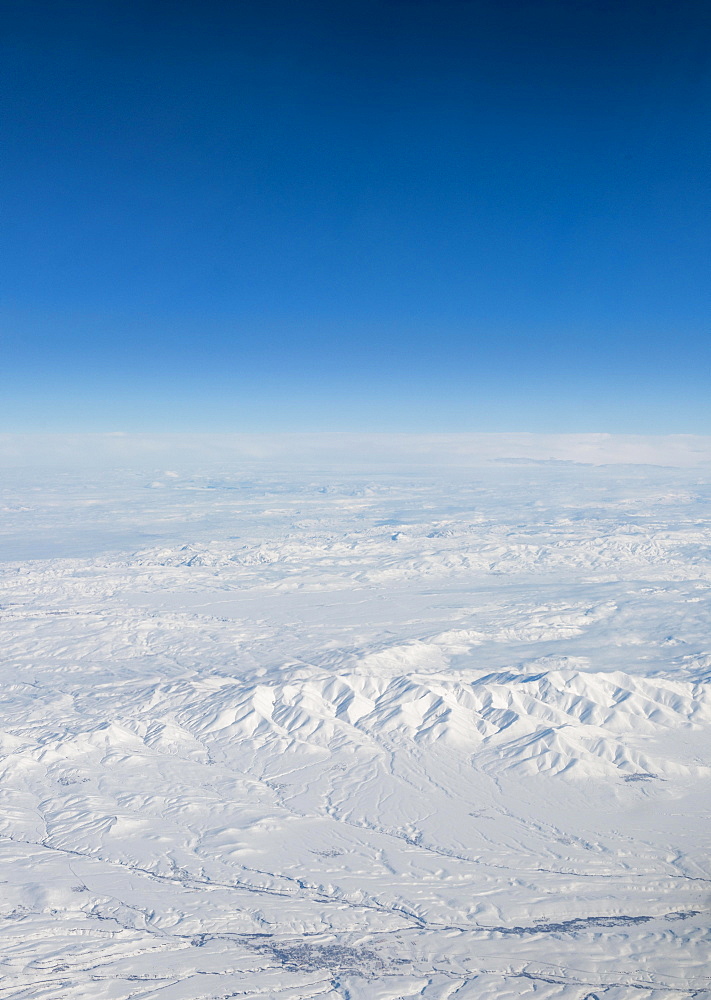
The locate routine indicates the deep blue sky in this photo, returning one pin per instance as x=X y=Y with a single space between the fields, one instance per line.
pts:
x=379 y=215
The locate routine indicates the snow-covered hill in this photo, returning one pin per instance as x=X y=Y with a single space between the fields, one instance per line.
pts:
x=357 y=738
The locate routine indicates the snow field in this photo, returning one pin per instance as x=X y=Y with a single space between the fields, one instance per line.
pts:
x=350 y=737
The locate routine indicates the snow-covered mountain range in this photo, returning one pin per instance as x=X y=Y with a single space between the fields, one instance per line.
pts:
x=348 y=736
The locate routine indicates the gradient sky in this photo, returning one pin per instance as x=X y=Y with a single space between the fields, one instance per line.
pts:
x=397 y=215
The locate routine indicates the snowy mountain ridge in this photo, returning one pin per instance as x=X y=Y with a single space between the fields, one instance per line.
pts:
x=418 y=739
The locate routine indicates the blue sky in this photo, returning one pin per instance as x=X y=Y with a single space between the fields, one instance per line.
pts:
x=402 y=215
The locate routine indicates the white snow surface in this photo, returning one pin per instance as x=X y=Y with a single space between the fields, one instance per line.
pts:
x=298 y=735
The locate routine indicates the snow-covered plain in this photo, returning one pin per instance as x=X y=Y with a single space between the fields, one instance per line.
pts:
x=347 y=735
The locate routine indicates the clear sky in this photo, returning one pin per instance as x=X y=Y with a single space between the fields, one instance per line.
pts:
x=396 y=215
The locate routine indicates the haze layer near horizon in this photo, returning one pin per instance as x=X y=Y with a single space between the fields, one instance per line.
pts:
x=436 y=453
